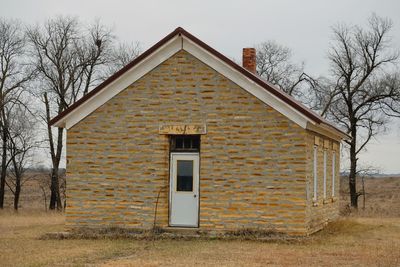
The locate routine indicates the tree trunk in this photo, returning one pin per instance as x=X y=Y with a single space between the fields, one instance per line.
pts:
x=44 y=197
x=18 y=176
x=17 y=193
x=55 y=200
x=55 y=197
x=353 y=168
x=3 y=166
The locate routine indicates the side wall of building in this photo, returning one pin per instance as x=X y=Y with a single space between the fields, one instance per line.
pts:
x=320 y=209
x=252 y=159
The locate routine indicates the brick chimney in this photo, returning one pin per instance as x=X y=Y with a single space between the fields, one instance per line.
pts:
x=249 y=59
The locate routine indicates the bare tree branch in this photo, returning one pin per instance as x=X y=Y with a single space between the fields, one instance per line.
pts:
x=70 y=59
x=14 y=76
x=364 y=90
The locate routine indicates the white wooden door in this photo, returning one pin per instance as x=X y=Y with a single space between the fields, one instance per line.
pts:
x=184 y=190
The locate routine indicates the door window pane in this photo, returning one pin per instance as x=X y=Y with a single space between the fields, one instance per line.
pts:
x=184 y=176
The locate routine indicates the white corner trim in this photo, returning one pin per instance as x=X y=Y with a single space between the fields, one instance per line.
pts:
x=121 y=83
x=245 y=83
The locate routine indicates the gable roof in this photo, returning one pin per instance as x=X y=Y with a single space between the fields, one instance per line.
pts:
x=181 y=39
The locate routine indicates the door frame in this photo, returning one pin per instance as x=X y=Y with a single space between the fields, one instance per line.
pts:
x=172 y=183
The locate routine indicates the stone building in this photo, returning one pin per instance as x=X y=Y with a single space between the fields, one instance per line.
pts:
x=206 y=141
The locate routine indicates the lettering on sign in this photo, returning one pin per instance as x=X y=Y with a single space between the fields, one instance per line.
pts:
x=183 y=129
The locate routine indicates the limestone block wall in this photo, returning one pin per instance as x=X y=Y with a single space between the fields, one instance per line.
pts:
x=321 y=210
x=253 y=170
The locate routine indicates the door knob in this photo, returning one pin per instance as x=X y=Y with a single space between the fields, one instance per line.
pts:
x=194 y=195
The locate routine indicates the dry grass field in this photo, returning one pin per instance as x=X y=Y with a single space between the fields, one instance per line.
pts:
x=369 y=238
x=382 y=197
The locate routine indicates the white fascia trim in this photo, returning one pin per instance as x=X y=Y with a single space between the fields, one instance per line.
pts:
x=162 y=54
x=338 y=133
x=121 y=83
x=327 y=131
x=245 y=83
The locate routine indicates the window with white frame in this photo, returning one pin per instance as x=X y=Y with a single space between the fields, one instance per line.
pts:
x=325 y=162
x=315 y=173
x=333 y=172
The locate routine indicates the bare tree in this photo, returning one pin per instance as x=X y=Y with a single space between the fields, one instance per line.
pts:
x=362 y=173
x=21 y=144
x=44 y=182
x=274 y=64
x=70 y=60
x=63 y=187
x=67 y=59
x=14 y=75
x=364 y=91
x=96 y=49
x=121 y=55
x=125 y=53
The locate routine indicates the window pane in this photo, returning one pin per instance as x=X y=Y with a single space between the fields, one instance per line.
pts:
x=196 y=142
x=179 y=142
x=184 y=177
x=187 y=143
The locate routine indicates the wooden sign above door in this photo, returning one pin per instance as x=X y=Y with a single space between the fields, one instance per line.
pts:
x=183 y=129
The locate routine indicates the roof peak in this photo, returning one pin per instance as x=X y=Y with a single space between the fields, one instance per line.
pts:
x=179 y=28
x=279 y=94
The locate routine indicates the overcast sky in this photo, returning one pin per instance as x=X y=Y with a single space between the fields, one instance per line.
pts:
x=228 y=26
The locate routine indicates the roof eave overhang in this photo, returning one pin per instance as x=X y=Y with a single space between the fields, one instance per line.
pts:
x=60 y=123
x=328 y=131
